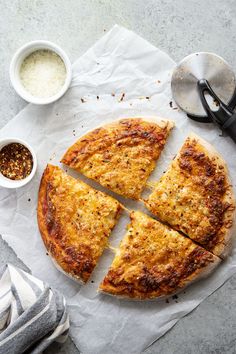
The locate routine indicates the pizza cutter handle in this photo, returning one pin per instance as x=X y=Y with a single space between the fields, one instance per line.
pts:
x=224 y=116
x=230 y=127
x=223 y=112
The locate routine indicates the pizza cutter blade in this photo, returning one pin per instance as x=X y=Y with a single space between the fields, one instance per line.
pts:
x=204 y=86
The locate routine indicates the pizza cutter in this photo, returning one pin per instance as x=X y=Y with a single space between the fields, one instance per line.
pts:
x=204 y=86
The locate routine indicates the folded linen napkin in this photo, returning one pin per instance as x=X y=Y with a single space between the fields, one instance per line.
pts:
x=32 y=315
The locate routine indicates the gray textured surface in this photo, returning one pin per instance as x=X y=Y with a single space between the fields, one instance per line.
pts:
x=178 y=27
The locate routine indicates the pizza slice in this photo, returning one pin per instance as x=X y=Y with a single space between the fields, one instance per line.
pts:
x=75 y=221
x=195 y=196
x=120 y=155
x=155 y=261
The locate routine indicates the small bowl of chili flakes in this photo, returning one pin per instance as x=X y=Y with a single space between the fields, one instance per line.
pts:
x=18 y=163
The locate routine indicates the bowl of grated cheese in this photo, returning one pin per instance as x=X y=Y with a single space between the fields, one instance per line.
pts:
x=40 y=72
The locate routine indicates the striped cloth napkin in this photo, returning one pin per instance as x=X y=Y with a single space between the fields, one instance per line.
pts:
x=32 y=315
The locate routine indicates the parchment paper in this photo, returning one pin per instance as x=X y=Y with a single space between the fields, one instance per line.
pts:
x=121 y=62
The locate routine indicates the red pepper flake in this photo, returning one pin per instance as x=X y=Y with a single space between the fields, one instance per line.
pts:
x=113 y=94
x=16 y=161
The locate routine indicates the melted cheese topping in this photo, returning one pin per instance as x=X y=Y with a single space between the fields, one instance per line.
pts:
x=154 y=260
x=191 y=195
x=120 y=156
x=75 y=221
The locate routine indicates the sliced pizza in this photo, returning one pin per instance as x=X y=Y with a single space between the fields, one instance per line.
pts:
x=155 y=261
x=75 y=221
x=120 y=155
x=195 y=196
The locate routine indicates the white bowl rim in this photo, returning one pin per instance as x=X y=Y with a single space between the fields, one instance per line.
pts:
x=35 y=45
x=10 y=183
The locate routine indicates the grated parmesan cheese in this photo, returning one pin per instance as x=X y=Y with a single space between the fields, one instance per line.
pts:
x=43 y=73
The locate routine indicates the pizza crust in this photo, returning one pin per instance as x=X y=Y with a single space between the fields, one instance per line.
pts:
x=226 y=233
x=75 y=222
x=154 y=261
x=205 y=273
x=120 y=155
x=223 y=250
x=67 y=274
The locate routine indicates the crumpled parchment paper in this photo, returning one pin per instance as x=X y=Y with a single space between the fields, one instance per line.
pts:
x=120 y=62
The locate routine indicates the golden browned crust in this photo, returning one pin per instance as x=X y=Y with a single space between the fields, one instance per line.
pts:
x=121 y=155
x=155 y=261
x=75 y=221
x=196 y=197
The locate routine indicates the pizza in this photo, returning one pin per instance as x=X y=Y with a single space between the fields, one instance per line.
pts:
x=193 y=201
x=121 y=155
x=195 y=196
x=75 y=221
x=154 y=260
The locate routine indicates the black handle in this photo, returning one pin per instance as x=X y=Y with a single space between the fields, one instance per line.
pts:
x=230 y=127
x=223 y=112
x=224 y=117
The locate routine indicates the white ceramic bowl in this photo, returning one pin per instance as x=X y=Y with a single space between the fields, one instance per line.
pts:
x=9 y=183
x=17 y=60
